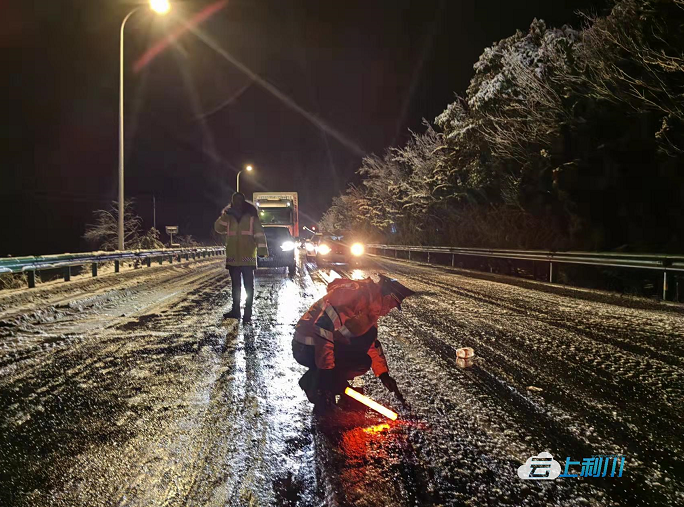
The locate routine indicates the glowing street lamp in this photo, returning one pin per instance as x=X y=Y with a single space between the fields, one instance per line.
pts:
x=160 y=7
x=248 y=169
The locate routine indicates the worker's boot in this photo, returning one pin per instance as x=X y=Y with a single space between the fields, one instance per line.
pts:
x=247 y=317
x=309 y=385
x=233 y=314
x=325 y=405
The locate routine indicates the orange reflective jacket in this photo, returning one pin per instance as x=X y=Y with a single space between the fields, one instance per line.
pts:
x=349 y=309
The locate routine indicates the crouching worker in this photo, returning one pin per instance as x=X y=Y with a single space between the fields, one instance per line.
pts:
x=337 y=338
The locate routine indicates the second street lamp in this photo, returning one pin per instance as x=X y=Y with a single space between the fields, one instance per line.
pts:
x=160 y=7
x=237 y=186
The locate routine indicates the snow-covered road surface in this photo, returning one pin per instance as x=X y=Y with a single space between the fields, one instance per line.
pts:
x=132 y=390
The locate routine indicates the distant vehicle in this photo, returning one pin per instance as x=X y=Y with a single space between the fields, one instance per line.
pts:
x=278 y=209
x=310 y=246
x=339 y=249
x=281 y=250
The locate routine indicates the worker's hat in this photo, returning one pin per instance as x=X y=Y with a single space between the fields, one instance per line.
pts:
x=391 y=287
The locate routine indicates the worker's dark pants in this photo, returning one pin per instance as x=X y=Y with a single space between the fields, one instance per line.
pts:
x=349 y=364
x=351 y=361
x=237 y=274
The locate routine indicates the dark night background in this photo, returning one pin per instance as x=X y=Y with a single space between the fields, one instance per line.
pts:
x=370 y=70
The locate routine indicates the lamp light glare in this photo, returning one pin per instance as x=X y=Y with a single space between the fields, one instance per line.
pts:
x=160 y=6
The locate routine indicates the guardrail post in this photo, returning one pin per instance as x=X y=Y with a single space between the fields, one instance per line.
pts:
x=94 y=268
x=31 y=275
x=187 y=256
x=395 y=253
x=67 y=273
x=409 y=254
x=453 y=260
x=550 y=272
x=149 y=262
x=116 y=266
x=428 y=257
x=664 y=285
x=171 y=259
x=160 y=260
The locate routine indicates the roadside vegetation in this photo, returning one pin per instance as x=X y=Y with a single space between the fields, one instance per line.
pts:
x=104 y=233
x=564 y=139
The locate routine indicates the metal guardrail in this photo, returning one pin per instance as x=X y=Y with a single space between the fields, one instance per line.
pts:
x=30 y=265
x=659 y=262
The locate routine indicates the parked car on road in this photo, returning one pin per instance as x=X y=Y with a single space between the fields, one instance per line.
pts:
x=310 y=247
x=340 y=249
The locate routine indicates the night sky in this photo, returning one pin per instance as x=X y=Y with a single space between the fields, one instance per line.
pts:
x=370 y=70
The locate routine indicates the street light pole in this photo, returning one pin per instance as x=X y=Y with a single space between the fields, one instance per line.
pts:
x=237 y=186
x=160 y=7
x=121 y=129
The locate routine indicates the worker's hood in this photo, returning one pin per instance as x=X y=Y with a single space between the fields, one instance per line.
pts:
x=247 y=209
x=348 y=290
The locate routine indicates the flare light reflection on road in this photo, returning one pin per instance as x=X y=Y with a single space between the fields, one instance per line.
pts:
x=370 y=403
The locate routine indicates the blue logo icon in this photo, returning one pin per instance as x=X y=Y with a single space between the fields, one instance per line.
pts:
x=544 y=468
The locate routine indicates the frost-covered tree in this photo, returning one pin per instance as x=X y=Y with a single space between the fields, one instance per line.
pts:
x=104 y=233
x=148 y=241
x=636 y=57
x=562 y=140
x=187 y=241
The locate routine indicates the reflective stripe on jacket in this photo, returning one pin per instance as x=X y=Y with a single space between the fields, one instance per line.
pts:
x=348 y=311
x=245 y=238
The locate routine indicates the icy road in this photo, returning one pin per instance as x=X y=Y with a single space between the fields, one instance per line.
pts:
x=130 y=390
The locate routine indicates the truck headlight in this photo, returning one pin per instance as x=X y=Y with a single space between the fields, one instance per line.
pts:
x=357 y=249
x=324 y=249
x=287 y=246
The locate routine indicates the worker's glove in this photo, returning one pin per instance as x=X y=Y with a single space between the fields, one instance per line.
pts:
x=389 y=383
x=391 y=386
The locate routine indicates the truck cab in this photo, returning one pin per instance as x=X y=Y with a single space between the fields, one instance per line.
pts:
x=278 y=209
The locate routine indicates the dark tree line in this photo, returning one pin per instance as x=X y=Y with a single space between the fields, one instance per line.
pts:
x=565 y=139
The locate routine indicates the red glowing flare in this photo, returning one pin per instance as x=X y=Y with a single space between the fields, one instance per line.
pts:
x=370 y=403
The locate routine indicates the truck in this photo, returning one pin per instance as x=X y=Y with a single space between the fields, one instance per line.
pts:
x=278 y=209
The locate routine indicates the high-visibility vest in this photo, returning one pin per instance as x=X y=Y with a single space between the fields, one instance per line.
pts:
x=245 y=239
x=337 y=320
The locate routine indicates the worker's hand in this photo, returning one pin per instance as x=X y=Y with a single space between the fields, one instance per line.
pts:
x=389 y=383
x=391 y=386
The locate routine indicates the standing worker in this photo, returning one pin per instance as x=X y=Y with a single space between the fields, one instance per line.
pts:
x=245 y=239
x=337 y=337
